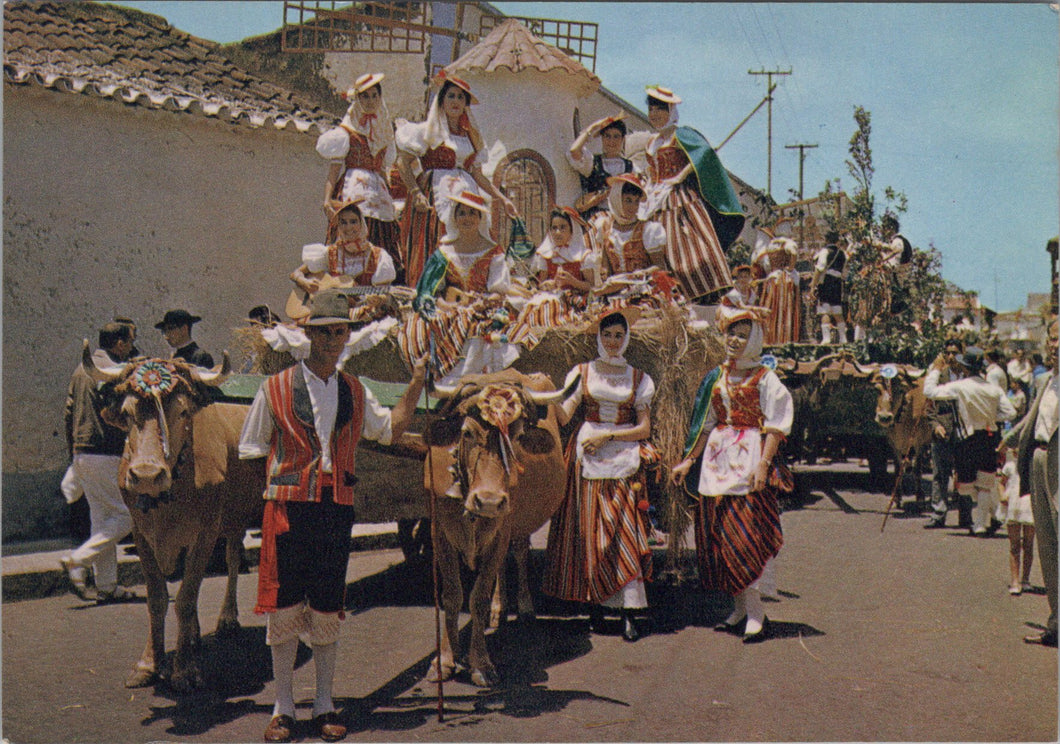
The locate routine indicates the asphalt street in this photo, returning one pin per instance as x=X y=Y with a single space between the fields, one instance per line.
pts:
x=904 y=635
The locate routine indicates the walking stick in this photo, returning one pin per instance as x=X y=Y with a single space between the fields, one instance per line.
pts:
x=435 y=578
x=894 y=493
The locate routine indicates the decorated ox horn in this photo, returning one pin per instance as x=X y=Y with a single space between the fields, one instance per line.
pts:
x=870 y=370
x=213 y=377
x=109 y=374
x=544 y=398
x=914 y=374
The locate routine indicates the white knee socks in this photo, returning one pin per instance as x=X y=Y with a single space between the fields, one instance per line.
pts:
x=756 y=612
x=283 y=658
x=324 y=658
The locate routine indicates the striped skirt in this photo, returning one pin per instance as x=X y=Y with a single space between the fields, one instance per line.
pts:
x=450 y=328
x=780 y=293
x=598 y=540
x=542 y=313
x=735 y=536
x=420 y=233
x=693 y=251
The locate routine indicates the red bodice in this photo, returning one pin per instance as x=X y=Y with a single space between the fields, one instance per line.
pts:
x=746 y=407
x=627 y=410
x=477 y=279
x=667 y=162
x=443 y=157
x=361 y=157
x=571 y=267
x=633 y=257
x=364 y=279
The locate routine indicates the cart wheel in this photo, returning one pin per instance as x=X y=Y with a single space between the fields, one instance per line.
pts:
x=414 y=538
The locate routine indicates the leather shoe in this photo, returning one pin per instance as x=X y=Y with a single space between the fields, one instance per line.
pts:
x=630 y=631
x=760 y=635
x=1048 y=638
x=328 y=727
x=724 y=627
x=934 y=524
x=279 y=729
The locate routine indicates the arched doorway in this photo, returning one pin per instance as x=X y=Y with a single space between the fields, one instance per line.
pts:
x=528 y=180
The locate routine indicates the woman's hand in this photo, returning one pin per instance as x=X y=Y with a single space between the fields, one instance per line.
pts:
x=592 y=444
x=679 y=472
x=310 y=286
x=761 y=475
x=509 y=207
x=420 y=203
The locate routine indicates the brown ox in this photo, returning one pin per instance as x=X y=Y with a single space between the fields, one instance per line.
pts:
x=496 y=474
x=901 y=410
x=185 y=487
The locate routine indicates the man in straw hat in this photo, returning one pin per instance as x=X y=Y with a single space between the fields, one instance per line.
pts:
x=980 y=406
x=308 y=420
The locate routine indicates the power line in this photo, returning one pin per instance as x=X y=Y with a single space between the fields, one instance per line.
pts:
x=769 y=98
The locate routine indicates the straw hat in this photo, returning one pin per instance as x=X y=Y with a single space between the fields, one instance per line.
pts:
x=363 y=83
x=662 y=94
x=471 y=199
x=631 y=178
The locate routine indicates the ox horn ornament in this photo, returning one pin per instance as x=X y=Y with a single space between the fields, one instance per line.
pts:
x=888 y=371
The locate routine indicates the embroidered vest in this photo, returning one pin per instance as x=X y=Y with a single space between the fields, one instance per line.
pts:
x=627 y=411
x=633 y=257
x=745 y=410
x=572 y=267
x=443 y=157
x=364 y=279
x=293 y=464
x=361 y=157
x=667 y=162
x=477 y=277
x=597 y=178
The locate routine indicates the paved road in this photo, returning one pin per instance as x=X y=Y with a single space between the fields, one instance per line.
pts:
x=909 y=635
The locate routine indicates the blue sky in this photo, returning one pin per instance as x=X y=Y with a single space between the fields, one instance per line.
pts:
x=964 y=97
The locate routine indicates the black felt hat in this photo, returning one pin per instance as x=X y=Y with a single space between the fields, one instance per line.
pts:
x=175 y=318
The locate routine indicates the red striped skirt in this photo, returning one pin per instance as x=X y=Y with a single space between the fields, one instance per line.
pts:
x=420 y=233
x=450 y=328
x=781 y=295
x=735 y=536
x=693 y=251
x=598 y=540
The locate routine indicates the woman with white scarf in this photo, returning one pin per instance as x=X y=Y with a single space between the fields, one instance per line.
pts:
x=361 y=152
x=598 y=541
x=690 y=194
x=741 y=415
x=437 y=158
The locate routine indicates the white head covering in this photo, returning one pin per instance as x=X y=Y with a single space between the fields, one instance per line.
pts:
x=436 y=130
x=752 y=352
x=614 y=196
x=456 y=193
x=619 y=360
x=548 y=250
x=376 y=128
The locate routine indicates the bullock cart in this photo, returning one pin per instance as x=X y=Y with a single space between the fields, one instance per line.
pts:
x=675 y=352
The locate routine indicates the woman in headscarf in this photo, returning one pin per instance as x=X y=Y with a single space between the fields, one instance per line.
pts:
x=361 y=152
x=437 y=158
x=598 y=542
x=741 y=415
x=460 y=299
x=690 y=194
x=779 y=293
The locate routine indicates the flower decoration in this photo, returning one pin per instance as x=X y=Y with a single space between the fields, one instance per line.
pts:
x=154 y=377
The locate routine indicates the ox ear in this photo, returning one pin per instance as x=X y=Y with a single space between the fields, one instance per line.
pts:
x=443 y=432
x=111 y=416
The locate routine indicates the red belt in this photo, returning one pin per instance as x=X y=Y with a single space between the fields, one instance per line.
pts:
x=327 y=480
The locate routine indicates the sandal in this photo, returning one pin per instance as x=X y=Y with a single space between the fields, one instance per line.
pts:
x=117 y=594
x=75 y=574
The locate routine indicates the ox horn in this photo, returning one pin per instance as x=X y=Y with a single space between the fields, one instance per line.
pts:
x=914 y=373
x=872 y=368
x=212 y=377
x=108 y=374
x=548 y=397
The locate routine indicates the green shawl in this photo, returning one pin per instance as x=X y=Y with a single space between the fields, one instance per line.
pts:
x=715 y=188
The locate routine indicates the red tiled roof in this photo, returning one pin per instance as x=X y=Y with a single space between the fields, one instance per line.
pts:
x=511 y=46
x=138 y=58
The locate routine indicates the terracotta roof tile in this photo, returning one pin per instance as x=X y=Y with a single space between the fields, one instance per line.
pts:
x=138 y=58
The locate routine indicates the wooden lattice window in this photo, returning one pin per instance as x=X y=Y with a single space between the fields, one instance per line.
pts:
x=528 y=180
x=331 y=26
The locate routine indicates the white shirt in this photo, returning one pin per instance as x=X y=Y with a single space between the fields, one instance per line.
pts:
x=980 y=403
x=1045 y=424
x=256 y=437
x=996 y=375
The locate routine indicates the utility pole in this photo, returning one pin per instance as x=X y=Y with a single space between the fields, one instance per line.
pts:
x=802 y=148
x=769 y=98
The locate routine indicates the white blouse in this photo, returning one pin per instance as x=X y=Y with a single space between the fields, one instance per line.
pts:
x=614 y=459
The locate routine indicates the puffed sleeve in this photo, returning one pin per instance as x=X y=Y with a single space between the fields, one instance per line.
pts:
x=583 y=166
x=571 y=403
x=410 y=136
x=645 y=393
x=315 y=257
x=821 y=260
x=538 y=263
x=654 y=237
x=778 y=409
x=500 y=277
x=334 y=144
x=591 y=262
x=256 y=436
x=384 y=271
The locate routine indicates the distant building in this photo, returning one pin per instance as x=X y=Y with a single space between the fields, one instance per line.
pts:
x=1028 y=324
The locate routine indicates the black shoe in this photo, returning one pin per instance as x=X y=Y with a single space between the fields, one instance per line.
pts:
x=935 y=524
x=630 y=632
x=596 y=620
x=735 y=628
x=1048 y=638
x=760 y=635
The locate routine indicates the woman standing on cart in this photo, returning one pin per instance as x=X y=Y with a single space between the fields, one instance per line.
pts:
x=741 y=414
x=361 y=151
x=437 y=158
x=690 y=194
x=598 y=542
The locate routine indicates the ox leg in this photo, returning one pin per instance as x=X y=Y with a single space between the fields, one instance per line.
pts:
x=499 y=603
x=483 y=673
x=149 y=668
x=228 y=619
x=187 y=673
x=520 y=550
x=452 y=593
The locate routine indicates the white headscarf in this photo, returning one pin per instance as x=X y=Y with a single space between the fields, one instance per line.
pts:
x=657 y=140
x=377 y=130
x=619 y=360
x=548 y=249
x=752 y=352
x=436 y=127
